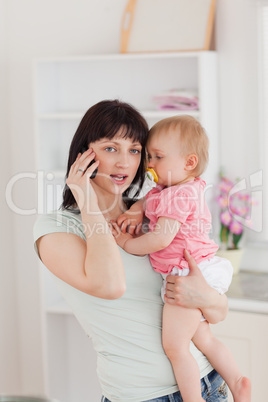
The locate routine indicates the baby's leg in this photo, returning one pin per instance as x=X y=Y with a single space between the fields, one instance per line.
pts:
x=179 y=326
x=223 y=361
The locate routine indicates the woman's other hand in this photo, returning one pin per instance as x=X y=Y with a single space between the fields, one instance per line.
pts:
x=131 y=220
x=79 y=178
x=120 y=237
x=187 y=291
x=192 y=291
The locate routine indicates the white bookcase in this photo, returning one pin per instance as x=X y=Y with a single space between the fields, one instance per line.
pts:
x=64 y=89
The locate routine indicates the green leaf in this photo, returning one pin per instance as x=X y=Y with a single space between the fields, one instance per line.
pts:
x=224 y=233
x=236 y=239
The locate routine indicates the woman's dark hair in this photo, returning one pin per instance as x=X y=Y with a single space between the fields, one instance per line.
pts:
x=104 y=120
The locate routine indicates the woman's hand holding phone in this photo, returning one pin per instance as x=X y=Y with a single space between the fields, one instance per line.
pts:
x=79 y=177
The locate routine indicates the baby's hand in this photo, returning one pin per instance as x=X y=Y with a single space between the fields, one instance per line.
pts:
x=120 y=237
x=130 y=221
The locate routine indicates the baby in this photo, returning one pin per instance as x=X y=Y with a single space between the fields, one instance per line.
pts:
x=180 y=220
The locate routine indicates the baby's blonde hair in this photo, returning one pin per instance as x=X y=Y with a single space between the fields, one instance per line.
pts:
x=191 y=135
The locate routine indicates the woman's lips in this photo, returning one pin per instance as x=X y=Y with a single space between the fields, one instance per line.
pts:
x=119 y=178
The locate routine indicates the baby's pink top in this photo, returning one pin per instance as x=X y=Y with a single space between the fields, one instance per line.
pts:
x=186 y=204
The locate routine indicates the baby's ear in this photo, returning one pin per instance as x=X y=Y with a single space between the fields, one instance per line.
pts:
x=191 y=162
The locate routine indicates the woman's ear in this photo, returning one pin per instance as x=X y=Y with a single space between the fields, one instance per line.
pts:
x=191 y=162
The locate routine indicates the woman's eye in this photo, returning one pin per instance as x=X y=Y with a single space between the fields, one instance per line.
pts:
x=110 y=149
x=135 y=151
x=158 y=157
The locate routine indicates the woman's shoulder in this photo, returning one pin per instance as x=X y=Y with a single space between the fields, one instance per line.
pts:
x=58 y=221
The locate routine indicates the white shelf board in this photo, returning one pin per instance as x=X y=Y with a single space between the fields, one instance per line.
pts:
x=248 y=305
x=161 y=114
x=125 y=56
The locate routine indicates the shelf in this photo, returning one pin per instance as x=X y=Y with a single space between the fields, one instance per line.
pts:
x=120 y=56
x=64 y=89
x=248 y=306
x=162 y=114
x=68 y=87
x=150 y=114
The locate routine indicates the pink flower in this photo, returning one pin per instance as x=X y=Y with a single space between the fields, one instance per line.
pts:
x=225 y=185
x=222 y=201
x=239 y=210
x=226 y=218
x=246 y=197
x=243 y=211
x=232 y=207
x=236 y=227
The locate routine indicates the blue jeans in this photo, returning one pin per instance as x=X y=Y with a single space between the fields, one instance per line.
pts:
x=213 y=389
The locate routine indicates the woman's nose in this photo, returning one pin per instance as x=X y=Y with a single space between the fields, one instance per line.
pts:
x=123 y=161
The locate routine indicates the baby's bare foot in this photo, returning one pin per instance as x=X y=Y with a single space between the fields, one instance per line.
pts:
x=242 y=390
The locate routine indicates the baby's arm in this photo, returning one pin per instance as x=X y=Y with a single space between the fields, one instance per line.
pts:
x=131 y=220
x=165 y=231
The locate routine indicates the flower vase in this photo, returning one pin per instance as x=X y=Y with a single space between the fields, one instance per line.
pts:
x=234 y=256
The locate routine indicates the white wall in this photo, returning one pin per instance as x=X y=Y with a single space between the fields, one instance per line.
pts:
x=9 y=370
x=39 y=28
x=236 y=42
x=241 y=144
x=43 y=29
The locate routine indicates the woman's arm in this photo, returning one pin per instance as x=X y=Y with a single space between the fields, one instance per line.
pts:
x=93 y=266
x=66 y=256
x=192 y=291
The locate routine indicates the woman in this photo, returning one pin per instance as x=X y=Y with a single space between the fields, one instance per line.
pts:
x=115 y=295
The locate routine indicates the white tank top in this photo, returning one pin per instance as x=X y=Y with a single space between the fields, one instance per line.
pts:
x=126 y=333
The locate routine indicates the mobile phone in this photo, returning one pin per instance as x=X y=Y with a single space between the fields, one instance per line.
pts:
x=93 y=175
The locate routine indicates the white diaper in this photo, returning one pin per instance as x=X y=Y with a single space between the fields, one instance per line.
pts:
x=217 y=272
